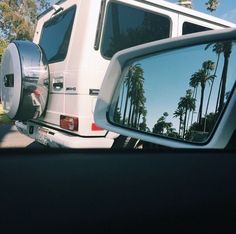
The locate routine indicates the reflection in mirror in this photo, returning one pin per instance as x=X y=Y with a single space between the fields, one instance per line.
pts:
x=178 y=94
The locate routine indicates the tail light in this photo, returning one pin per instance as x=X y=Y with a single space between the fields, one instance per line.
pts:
x=96 y=128
x=69 y=123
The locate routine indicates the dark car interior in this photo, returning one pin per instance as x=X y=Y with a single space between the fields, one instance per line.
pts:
x=117 y=191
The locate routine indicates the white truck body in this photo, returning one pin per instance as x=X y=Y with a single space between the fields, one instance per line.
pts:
x=77 y=73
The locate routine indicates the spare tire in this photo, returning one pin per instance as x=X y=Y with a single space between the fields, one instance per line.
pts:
x=24 y=81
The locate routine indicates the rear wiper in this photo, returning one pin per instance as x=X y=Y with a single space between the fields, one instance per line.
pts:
x=57 y=9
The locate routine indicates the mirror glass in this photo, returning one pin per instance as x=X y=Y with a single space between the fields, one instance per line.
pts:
x=179 y=93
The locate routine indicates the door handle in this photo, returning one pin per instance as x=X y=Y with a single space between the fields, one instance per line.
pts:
x=58 y=85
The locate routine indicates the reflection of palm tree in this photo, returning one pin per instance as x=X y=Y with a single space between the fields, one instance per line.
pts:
x=127 y=83
x=122 y=96
x=143 y=125
x=115 y=21
x=135 y=99
x=161 y=125
x=187 y=103
x=227 y=47
x=138 y=100
x=142 y=112
x=179 y=113
x=219 y=48
x=134 y=105
x=117 y=115
x=146 y=30
x=201 y=77
x=194 y=83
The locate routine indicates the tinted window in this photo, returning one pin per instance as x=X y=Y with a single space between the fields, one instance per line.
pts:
x=193 y=28
x=126 y=26
x=56 y=34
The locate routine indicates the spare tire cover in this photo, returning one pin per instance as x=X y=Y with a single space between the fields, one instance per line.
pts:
x=24 y=81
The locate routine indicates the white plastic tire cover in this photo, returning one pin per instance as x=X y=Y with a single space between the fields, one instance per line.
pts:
x=24 y=81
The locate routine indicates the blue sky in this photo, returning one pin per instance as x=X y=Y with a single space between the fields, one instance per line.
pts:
x=176 y=82
x=226 y=9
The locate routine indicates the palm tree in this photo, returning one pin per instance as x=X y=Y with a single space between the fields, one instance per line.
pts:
x=135 y=99
x=142 y=112
x=161 y=125
x=193 y=83
x=127 y=83
x=138 y=98
x=122 y=96
x=212 y=5
x=218 y=49
x=179 y=112
x=227 y=48
x=187 y=103
x=201 y=77
x=143 y=125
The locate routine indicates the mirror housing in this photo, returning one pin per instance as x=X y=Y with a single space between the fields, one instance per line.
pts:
x=112 y=84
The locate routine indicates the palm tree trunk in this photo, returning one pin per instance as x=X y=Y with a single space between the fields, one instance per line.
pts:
x=209 y=97
x=130 y=113
x=224 y=78
x=122 y=96
x=136 y=117
x=201 y=105
x=195 y=97
x=135 y=107
x=180 y=123
x=189 y=113
x=126 y=105
x=218 y=97
x=185 y=120
x=139 y=116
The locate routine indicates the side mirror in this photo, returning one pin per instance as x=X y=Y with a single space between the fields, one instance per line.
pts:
x=177 y=92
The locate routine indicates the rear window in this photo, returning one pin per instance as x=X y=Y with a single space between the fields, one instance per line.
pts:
x=193 y=28
x=56 y=35
x=126 y=26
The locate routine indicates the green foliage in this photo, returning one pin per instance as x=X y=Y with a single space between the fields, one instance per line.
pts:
x=212 y=5
x=43 y=5
x=163 y=127
x=4 y=119
x=197 y=132
x=3 y=46
x=19 y=18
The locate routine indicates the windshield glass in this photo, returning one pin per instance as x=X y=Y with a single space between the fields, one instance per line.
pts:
x=56 y=34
